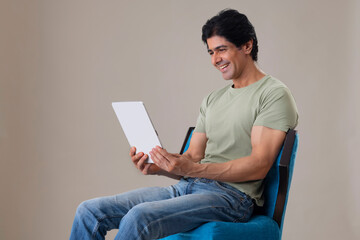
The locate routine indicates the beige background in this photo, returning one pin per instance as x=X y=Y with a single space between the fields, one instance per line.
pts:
x=62 y=63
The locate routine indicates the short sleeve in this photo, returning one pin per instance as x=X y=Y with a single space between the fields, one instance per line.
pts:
x=200 y=123
x=277 y=110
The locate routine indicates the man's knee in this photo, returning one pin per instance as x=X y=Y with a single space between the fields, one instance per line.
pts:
x=96 y=207
x=142 y=220
x=142 y=211
x=144 y=216
x=83 y=209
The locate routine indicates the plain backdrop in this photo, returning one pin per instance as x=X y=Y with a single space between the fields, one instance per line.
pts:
x=62 y=63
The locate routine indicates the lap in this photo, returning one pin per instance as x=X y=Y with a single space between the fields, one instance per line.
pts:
x=187 y=197
x=200 y=197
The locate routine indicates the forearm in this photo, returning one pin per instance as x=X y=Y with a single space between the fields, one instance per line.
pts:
x=238 y=170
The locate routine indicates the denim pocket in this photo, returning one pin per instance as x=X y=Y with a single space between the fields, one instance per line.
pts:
x=242 y=203
x=232 y=191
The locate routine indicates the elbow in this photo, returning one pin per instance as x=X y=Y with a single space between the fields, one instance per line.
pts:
x=262 y=174
x=262 y=168
x=198 y=157
x=194 y=157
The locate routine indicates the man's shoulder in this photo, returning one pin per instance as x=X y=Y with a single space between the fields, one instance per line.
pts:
x=273 y=85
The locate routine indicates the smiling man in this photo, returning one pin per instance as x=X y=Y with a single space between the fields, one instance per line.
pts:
x=238 y=134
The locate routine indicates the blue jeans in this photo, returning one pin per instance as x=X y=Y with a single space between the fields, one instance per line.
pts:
x=157 y=212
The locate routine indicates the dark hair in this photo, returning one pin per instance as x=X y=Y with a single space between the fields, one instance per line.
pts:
x=233 y=26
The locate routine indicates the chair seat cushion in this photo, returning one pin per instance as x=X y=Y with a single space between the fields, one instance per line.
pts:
x=259 y=227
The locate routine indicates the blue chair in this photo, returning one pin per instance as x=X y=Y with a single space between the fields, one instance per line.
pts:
x=267 y=222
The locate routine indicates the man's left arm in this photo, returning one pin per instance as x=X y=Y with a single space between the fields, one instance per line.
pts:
x=266 y=144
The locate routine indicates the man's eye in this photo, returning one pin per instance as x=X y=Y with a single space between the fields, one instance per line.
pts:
x=222 y=49
x=211 y=53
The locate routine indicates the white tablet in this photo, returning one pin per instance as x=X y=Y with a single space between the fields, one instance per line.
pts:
x=137 y=126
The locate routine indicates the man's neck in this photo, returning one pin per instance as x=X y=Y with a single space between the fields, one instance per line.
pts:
x=251 y=74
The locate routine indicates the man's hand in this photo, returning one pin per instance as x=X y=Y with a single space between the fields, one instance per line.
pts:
x=139 y=159
x=172 y=163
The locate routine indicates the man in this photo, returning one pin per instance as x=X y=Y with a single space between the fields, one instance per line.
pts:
x=238 y=134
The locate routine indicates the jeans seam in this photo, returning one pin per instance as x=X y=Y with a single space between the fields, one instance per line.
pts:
x=175 y=191
x=189 y=187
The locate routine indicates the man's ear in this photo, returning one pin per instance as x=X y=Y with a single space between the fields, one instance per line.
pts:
x=247 y=47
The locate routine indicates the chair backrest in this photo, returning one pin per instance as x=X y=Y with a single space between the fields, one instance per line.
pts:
x=278 y=180
x=186 y=143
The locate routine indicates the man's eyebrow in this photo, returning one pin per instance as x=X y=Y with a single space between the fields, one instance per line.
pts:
x=218 y=47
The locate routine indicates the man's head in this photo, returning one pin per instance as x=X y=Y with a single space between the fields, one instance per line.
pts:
x=234 y=27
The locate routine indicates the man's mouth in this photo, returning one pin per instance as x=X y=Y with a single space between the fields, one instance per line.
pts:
x=223 y=67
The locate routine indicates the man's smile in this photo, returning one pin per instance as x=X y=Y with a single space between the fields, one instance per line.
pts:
x=224 y=67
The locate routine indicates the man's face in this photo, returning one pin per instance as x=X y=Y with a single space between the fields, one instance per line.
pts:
x=226 y=57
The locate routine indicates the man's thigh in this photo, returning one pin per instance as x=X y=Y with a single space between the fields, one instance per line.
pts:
x=121 y=203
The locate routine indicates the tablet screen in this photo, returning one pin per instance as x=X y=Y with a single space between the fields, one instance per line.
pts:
x=137 y=126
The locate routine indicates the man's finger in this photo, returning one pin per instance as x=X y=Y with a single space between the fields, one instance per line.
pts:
x=162 y=151
x=137 y=157
x=132 y=151
x=155 y=159
x=160 y=155
x=140 y=163
x=146 y=169
x=160 y=160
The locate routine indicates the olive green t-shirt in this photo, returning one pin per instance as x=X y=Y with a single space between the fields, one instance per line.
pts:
x=227 y=116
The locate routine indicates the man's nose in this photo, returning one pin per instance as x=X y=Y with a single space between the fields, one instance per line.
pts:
x=216 y=59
